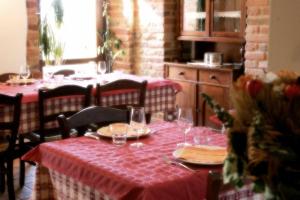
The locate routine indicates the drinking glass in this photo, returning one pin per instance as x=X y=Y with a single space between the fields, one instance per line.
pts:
x=101 y=67
x=137 y=124
x=185 y=123
x=119 y=133
x=24 y=72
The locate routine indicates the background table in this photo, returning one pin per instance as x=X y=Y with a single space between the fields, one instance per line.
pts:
x=84 y=168
x=160 y=96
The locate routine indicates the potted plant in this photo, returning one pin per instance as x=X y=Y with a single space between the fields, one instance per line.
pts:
x=110 y=49
x=50 y=45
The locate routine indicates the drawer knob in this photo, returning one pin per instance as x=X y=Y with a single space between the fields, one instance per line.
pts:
x=213 y=77
x=181 y=73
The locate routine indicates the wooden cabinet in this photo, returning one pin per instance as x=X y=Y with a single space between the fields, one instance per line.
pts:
x=212 y=20
x=195 y=80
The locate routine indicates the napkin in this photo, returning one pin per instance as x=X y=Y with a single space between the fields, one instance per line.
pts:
x=203 y=154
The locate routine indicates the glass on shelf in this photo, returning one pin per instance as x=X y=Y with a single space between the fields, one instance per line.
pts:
x=227 y=16
x=194 y=17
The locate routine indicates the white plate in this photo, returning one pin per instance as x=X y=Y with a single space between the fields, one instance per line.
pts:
x=131 y=133
x=201 y=155
x=21 y=81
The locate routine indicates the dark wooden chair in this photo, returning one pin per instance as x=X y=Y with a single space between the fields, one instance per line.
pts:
x=5 y=77
x=124 y=84
x=88 y=117
x=67 y=92
x=65 y=72
x=215 y=185
x=9 y=149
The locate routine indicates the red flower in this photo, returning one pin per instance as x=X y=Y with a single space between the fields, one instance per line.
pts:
x=292 y=90
x=253 y=87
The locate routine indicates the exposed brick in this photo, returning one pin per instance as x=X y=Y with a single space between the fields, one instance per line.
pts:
x=251 y=64
x=257 y=3
x=250 y=46
x=255 y=71
x=256 y=55
x=257 y=38
x=263 y=64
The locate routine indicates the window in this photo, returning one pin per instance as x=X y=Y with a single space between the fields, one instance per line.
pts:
x=78 y=33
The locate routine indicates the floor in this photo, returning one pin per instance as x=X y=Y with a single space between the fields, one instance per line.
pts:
x=23 y=193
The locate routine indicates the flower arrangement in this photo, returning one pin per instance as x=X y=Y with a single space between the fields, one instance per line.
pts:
x=264 y=134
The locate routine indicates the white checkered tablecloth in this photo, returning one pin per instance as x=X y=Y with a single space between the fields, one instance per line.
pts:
x=158 y=99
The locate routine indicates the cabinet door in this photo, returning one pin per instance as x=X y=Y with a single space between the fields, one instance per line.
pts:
x=219 y=94
x=217 y=85
x=227 y=18
x=194 y=17
x=187 y=78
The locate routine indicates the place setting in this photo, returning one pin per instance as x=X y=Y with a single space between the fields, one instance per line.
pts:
x=22 y=78
x=199 y=152
x=119 y=133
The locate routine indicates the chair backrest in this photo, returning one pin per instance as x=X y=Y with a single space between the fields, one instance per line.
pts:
x=82 y=120
x=66 y=92
x=5 y=77
x=9 y=129
x=123 y=84
x=65 y=72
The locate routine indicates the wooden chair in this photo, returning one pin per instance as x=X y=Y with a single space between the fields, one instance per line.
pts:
x=86 y=118
x=65 y=72
x=124 y=84
x=9 y=150
x=5 y=77
x=66 y=92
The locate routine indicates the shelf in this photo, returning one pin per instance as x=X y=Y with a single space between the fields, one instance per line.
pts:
x=212 y=39
x=228 y=14
x=195 y=15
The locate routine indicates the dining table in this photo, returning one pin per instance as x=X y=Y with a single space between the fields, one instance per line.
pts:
x=89 y=168
x=160 y=96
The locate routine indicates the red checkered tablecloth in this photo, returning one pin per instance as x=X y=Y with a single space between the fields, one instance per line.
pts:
x=91 y=169
x=160 y=97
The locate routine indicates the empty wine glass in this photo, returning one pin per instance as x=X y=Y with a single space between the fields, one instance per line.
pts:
x=137 y=124
x=101 y=67
x=185 y=123
x=24 y=72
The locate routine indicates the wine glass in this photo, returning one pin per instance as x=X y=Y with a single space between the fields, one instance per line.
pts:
x=137 y=124
x=24 y=72
x=101 y=67
x=185 y=123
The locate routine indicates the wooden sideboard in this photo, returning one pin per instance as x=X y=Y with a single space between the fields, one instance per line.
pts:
x=196 y=79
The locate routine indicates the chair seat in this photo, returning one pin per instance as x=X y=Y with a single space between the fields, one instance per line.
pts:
x=3 y=144
x=50 y=135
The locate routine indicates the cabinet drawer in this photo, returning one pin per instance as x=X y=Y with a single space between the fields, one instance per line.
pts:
x=179 y=73
x=216 y=77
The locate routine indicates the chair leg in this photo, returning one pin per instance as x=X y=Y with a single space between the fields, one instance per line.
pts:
x=2 y=178
x=10 y=180
x=22 y=172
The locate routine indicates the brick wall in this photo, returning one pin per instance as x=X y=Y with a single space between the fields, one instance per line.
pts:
x=33 y=54
x=148 y=35
x=257 y=36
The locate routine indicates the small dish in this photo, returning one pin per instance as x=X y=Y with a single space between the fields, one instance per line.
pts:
x=201 y=155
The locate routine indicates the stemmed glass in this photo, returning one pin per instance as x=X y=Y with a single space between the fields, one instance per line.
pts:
x=24 y=72
x=101 y=67
x=185 y=123
x=137 y=124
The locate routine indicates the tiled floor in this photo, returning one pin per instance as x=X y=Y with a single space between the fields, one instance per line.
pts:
x=23 y=193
